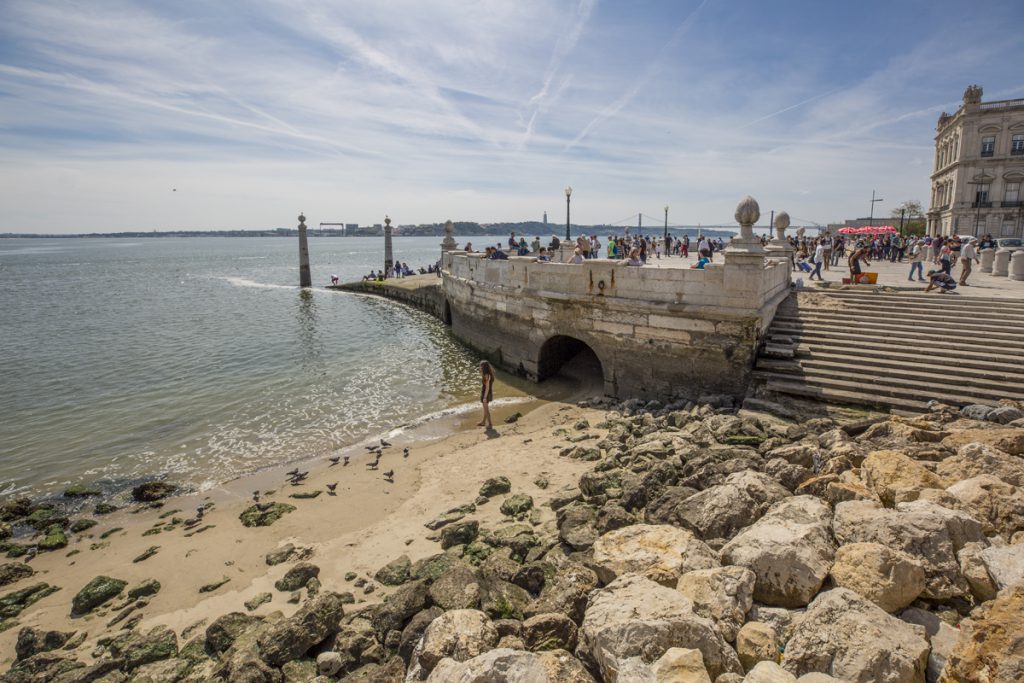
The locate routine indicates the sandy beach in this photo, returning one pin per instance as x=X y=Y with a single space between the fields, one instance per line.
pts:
x=368 y=523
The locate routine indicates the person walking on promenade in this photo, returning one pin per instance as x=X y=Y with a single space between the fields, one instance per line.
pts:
x=826 y=243
x=946 y=259
x=856 y=257
x=486 y=393
x=916 y=262
x=819 y=259
x=967 y=254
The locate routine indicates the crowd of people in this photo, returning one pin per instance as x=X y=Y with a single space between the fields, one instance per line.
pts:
x=631 y=250
x=399 y=270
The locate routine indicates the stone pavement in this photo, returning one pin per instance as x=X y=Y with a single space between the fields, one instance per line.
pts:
x=889 y=275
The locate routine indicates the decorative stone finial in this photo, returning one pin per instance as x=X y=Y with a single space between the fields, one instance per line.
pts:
x=387 y=220
x=302 y=218
x=747 y=211
x=972 y=95
x=781 y=220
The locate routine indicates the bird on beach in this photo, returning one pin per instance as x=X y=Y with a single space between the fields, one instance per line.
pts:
x=390 y=475
x=334 y=460
x=255 y=496
x=31 y=553
x=405 y=452
x=384 y=444
x=292 y=473
x=200 y=511
x=373 y=465
x=374 y=447
x=298 y=476
x=331 y=488
x=345 y=464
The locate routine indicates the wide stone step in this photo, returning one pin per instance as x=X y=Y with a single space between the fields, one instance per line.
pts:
x=929 y=299
x=885 y=355
x=786 y=386
x=898 y=387
x=883 y=329
x=994 y=349
x=910 y=323
x=998 y=317
x=935 y=375
x=939 y=340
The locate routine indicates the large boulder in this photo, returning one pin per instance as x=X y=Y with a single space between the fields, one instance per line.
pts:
x=722 y=510
x=942 y=639
x=136 y=649
x=887 y=577
x=457 y=588
x=550 y=631
x=577 y=525
x=297 y=576
x=896 y=478
x=292 y=637
x=153 y=491
x=400 y=606
x=997 y=505
x=1004 y=564
x=634 y=617
x=566 y=592
x=394 y=573
x=848 y=636
x=460 y=634
x=224 y=630
x=1008 y=440
x=991 y=649
x=32 y=641
x=929 y=533
x=95 y=593
x=513 y=666
x=790 y=551
x=973 y=459
x=722 y=594
x=756 y=642
x=660 y=552
x=768 y=672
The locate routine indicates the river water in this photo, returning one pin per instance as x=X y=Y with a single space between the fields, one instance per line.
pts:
x=200 y=359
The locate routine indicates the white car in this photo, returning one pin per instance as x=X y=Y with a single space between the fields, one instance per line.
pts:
x=1011 y=243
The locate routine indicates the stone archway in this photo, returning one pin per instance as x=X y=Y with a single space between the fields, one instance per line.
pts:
x=564 y=351
x=446 y=314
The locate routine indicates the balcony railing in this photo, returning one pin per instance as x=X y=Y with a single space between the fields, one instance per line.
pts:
x=981 y=205
x=987 y=153
x=1002 y=104
x=1017 y=151
x=1010 y=205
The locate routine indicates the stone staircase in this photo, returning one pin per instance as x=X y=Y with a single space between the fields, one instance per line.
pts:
x=894 y=350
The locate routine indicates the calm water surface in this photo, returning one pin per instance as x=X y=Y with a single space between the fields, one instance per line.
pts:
x=200 y=359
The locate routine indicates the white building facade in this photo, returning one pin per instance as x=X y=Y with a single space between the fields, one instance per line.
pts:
x=978 y=181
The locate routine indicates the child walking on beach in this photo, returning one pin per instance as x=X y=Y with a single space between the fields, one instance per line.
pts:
x=486 y=393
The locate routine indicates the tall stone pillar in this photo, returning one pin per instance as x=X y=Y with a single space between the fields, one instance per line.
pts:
x=389 y=256
x=305 y=279
x=448 y=244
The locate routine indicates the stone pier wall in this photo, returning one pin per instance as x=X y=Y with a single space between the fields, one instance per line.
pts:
x=657 y=332
x=422 y=291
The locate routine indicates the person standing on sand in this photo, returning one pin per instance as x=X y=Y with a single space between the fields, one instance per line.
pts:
x=486 y=393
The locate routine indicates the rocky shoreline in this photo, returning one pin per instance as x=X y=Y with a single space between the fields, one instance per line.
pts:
x=698 y=543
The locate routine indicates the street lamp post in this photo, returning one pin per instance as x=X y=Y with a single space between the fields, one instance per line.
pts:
x=666 y=224
x=871 y=218
x=568 y=195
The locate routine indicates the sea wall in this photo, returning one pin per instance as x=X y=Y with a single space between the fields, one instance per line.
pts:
x=657 y=332
x=422 y=291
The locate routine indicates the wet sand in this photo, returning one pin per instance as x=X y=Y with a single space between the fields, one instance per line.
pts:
x=368 y=523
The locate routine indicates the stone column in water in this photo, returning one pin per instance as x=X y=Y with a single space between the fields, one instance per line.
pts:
x=389 y=257
x=448 y=244
x=305 y=279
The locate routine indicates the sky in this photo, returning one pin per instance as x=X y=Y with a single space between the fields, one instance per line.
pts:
x=238 y=115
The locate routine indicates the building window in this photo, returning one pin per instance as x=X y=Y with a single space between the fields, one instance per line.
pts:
x=1008 y=227
x=988 y=145
x=1017 y=146
x=1012 y=195
x=981 y=194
